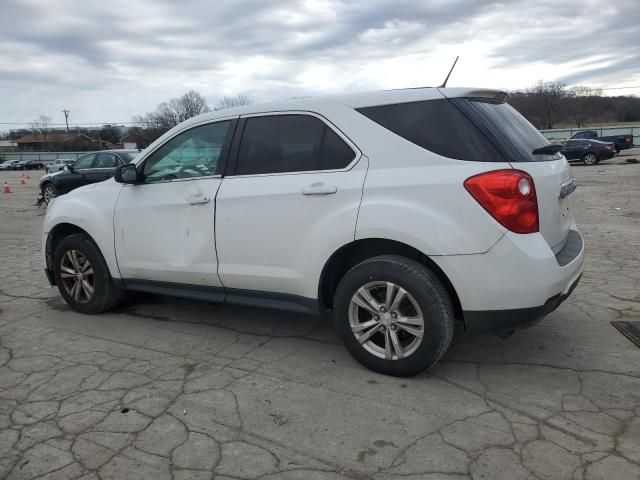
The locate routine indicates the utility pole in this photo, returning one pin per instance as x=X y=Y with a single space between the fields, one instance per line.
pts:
x=66 y=117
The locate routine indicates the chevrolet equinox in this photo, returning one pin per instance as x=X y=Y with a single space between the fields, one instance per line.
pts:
x=399 y=213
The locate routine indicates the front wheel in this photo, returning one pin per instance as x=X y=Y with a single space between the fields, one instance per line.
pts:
x=590 y=159
x=49 y=192
x=394 y=315
x=82 y=275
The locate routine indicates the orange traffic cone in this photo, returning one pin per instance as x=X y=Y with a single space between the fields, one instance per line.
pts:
x=6 y=188
x=23 y=181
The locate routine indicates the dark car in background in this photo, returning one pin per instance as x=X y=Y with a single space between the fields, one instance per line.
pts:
x=90 y=168
x=621 y=142
x=29 y=165
x=590 y=152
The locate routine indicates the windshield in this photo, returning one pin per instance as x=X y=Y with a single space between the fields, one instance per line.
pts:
x=128 y=156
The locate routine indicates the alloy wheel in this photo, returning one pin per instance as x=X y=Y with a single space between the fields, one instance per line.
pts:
x=49 y=192
x=386 y=320
x=590 y=159
x=77 y=276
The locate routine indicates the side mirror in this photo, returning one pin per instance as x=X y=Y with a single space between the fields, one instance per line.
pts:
x=66 y=168
x=126 y=174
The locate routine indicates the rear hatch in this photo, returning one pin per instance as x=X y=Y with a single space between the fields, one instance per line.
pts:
x=516 y=139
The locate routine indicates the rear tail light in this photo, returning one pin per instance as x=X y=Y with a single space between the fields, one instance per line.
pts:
x=627 y=138
x=608 y=146
x=509 y=196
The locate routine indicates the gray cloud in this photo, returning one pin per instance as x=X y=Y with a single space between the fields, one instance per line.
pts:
x=120 y=58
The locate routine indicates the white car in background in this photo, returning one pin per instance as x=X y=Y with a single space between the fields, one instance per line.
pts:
x=58 y=164
x=400 y=213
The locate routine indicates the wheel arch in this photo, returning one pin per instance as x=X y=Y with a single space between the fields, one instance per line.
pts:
x=57 y=233
x=355 y=252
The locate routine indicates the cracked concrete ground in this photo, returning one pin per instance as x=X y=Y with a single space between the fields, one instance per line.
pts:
x=167 y=388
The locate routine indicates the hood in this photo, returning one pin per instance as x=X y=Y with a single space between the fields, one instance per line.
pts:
x=110 y=183
x=49 y=175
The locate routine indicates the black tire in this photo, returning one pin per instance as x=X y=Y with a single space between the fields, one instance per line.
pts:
x=106 y=295
x=428 y=292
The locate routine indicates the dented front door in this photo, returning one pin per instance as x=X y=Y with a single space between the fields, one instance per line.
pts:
x=166 y=231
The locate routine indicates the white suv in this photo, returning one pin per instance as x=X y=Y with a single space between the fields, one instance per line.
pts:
x=401 y=212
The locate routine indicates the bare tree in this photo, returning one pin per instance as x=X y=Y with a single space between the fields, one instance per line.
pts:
x=40 y=126
x=45 y=121
x=172 y=112
x=35 y=129
x=581 y=105
x=230 y=102
x=547 y=96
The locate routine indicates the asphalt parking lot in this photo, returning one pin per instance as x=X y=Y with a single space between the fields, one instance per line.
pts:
x=168 y=388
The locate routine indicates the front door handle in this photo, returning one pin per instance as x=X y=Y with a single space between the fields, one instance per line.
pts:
x=319 y=188
x=198 y=199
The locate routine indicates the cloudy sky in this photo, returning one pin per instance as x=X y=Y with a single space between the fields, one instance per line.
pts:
x=110 y=60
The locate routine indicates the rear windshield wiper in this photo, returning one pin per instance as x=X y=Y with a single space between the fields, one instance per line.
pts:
x=548 y=149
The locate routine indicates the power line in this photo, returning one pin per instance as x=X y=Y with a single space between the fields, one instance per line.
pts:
x=75 y=124
x=615 y=88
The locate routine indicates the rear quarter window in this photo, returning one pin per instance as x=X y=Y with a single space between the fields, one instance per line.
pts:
x=438 y=126
x=509 y=130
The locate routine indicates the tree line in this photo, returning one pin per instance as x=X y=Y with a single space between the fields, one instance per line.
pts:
x=175 y=111
x=545 y=104
x=553 y=104
x=151 y=125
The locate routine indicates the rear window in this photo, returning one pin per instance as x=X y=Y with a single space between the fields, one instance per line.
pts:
x=463 y=129
x=438 y=126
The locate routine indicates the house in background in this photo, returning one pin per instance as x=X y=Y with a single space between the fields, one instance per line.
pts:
x=8 y=146
x=135 y=140
x=56 y=141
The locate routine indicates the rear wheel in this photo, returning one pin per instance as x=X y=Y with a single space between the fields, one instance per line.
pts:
x=590 y=159
x=394 y=315
x=82 y=275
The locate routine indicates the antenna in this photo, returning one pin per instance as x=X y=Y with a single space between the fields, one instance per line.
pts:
x=444 y=84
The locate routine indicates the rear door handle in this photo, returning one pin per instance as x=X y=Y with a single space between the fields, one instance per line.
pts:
x=319 y=189
x=198 y=199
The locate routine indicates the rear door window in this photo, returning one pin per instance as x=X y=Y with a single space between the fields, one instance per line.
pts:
x=290 y=143
x=106 y=160
x=437 y=126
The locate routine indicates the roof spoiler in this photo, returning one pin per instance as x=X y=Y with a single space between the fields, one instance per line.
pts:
x=495 y=95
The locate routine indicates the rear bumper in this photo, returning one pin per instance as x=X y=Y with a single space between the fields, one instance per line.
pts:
x=606 y=154
x=515 y=283
x=509 y=320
